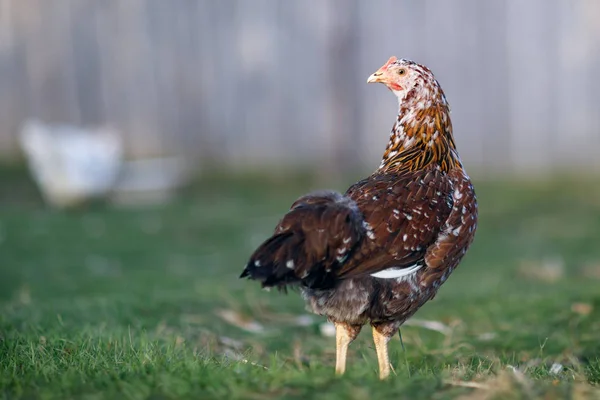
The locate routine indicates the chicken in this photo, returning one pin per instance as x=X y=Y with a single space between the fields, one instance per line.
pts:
x=377 y=253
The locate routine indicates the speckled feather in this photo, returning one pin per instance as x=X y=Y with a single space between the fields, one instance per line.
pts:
x=416 y=214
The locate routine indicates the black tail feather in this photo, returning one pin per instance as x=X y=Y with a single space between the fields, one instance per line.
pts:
x=281 y=261
x=268 y=263
x=310 y=243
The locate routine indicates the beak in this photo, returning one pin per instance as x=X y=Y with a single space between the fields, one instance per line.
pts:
x=379 y=76
x=376 y=77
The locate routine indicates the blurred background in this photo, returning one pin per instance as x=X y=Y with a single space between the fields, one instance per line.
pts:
x=201 y=121
x=268 y=83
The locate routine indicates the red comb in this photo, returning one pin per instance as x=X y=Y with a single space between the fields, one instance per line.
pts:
x=390 y=61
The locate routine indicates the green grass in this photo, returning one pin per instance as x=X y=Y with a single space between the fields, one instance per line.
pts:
x=118 y=303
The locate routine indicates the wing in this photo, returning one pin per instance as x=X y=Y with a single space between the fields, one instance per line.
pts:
x=457 y=234
x=310 y=243
x=403 y=216
x=383 y=222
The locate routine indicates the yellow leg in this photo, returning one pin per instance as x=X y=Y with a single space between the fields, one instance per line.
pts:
x=344 y=335
x=381 y=342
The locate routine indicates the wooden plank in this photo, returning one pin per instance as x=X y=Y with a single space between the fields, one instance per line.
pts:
x=531 y=81
x=86 y=61
x=577 y=139
x=11 y=99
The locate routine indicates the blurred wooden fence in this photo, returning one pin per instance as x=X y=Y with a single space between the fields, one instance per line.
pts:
x=261 y=81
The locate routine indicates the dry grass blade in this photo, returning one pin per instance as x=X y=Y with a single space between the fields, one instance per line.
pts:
x=431 y=325
x=245 y=361
x=522 y=380
x=474 y=385
x=548 y=270
x=241 y=321
x=591 y=270
x=582 y=308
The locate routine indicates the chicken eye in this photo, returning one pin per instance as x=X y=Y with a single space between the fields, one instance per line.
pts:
x=401 y=71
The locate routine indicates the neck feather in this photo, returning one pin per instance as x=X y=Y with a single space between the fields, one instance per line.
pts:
x=421 y=136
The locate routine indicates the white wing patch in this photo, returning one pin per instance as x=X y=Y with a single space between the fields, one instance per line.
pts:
x=395 y=273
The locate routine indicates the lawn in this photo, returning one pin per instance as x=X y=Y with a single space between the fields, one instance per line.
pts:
x=106 y=302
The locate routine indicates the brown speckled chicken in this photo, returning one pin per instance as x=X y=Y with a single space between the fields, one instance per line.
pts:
x=380 y=251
